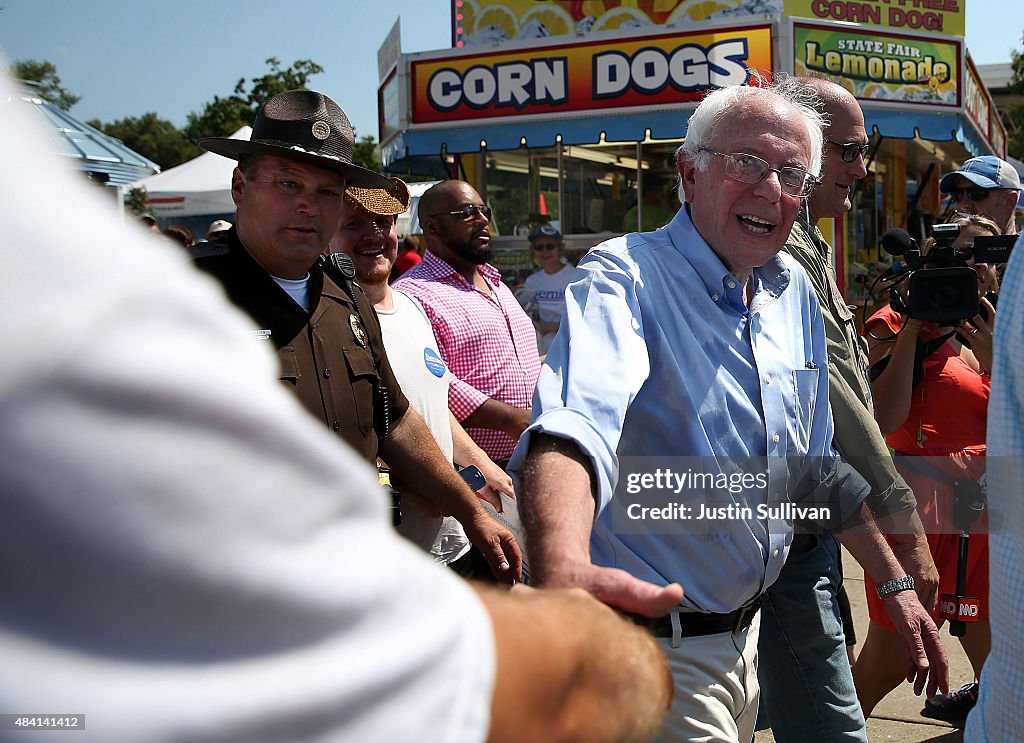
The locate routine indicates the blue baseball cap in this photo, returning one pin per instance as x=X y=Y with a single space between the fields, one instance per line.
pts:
x=987 y=171
x=545 y=230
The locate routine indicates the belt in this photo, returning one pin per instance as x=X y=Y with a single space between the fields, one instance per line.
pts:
x=698 y=624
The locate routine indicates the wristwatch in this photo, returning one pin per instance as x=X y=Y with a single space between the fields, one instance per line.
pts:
x=894 y=586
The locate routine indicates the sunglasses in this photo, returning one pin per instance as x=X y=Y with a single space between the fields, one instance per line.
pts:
x=850 y=150
x=751 y=169
x=469 y=211
x=973 y=194
x=546 y=246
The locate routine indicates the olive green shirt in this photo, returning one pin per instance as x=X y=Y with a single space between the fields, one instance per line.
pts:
x=857 y=436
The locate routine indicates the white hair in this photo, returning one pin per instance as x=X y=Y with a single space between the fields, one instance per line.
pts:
x=714 y=112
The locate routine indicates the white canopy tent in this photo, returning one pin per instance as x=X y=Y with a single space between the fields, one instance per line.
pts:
x=408 y=223
x=196 y=188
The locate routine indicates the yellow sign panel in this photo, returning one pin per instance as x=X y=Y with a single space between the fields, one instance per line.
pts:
x=938 y=16
x=661 y=70
x=889 y=67
x=490 y=23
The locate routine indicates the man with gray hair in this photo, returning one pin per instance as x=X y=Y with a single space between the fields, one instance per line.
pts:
x=675 y=427
x=809 y=688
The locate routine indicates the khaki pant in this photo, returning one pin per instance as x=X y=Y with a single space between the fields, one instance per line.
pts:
x=716 y=689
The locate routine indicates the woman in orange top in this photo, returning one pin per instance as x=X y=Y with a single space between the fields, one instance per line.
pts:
x=937 y=411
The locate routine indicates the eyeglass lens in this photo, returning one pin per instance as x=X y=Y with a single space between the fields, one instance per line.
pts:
x=850 y=150
x=751 y=169
x=974 y=194
x=471 y=210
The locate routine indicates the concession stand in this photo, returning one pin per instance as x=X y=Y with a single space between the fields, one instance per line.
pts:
x=571 y=111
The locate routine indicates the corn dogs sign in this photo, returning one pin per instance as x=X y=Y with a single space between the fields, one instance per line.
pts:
x=655 y=70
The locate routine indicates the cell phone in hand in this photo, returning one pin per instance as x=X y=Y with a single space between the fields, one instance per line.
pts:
x=473 y=477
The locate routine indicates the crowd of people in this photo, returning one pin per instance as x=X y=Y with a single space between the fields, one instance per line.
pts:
x=196 y=482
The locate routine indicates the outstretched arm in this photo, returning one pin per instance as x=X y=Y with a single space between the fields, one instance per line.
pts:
x=557 y=508
x=570 y=669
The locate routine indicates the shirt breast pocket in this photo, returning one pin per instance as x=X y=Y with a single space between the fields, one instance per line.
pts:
x=289 y=367
x=363 y=380
x=805 y=382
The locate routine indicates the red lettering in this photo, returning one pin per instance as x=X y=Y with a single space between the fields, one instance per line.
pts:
x=915 y=19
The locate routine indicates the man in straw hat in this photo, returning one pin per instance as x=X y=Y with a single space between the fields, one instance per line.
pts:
x=367 y=234
x=288 y=189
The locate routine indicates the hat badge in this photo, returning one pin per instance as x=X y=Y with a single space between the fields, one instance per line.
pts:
x=321 y=130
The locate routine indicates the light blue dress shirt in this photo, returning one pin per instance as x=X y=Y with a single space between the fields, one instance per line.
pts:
x=998 y=715
x=658 y=363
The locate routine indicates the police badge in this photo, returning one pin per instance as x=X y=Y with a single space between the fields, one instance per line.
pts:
x=357 y=329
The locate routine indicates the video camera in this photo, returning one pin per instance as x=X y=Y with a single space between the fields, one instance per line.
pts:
x=942 y=287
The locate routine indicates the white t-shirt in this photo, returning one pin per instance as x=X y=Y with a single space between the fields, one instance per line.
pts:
x=424 y=378
x=547 y=293
x=188 y=555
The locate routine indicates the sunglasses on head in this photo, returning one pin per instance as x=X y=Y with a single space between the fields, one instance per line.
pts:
x=469 y=211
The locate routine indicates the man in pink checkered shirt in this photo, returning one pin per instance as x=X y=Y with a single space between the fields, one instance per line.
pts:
x=483 y=334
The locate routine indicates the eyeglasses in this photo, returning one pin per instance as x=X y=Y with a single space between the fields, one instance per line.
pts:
x=973 y=194
x=751 y=169
x=469 y=211
x=546 y=246
x=850 y=150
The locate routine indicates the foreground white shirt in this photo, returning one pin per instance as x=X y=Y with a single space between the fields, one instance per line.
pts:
x=998 y=715
x=183 y=550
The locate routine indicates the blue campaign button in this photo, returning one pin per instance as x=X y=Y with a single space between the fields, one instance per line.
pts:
x=434 y=363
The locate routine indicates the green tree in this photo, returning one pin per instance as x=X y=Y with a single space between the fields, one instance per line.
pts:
x=1013 y=118
x=47 y=82
x=153 y=137
x=222 y=117
x=366 y=154
x=136 y=201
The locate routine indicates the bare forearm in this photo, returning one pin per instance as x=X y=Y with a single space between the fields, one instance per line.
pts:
x=862 y=537
x=892 y=389
x=557 y=508
x=604 y=681
x=416 y=461
x=500 y=416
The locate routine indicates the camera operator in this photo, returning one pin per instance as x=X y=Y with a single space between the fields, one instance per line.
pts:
x=931 y=388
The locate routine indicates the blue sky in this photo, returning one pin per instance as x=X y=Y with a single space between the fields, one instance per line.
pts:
x=128 y=57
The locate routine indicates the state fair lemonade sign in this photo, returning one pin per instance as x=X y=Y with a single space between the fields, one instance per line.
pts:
x=489 y=23
x=940 y=16
x=881 y=67
x=652 y=70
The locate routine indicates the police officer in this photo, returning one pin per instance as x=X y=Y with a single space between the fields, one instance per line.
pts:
x=288 y=190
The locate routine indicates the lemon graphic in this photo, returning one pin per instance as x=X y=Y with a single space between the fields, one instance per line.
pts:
x=500 y=17
x=621 y=16
x=470 y=11
x=595 y=8
x=698 y=10
x=555 y=19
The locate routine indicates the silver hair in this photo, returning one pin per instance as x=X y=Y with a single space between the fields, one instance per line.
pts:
x=714 y=111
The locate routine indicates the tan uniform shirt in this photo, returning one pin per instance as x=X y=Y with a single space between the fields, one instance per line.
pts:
x=857 y=436
x=333 y=359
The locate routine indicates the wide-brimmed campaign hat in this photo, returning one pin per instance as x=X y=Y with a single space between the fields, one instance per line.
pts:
x=385 y=201
x=306 y=126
